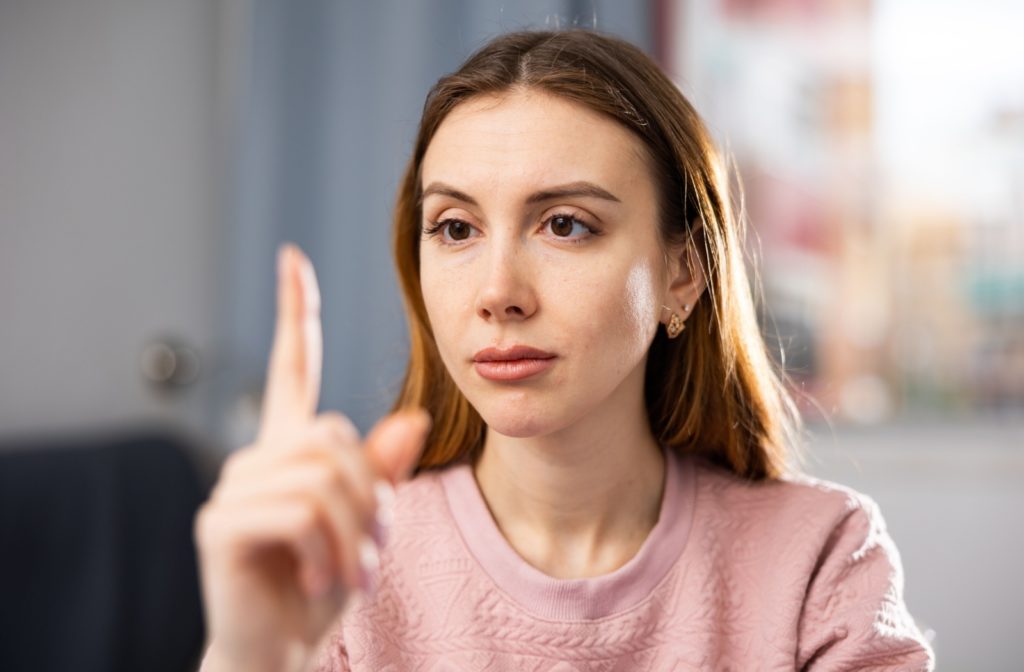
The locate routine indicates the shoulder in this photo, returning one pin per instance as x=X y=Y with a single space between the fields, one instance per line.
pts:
x=782 y=530
x=822 y=548
x=797 y=503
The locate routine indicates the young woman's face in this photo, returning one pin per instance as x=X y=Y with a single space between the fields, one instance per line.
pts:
x=547 y=238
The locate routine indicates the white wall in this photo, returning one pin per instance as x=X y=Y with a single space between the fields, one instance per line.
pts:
x=108 y=205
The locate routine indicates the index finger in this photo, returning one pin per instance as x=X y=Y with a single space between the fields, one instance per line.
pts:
x=293 y=374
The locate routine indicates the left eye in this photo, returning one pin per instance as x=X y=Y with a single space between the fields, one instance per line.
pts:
x=562 y=225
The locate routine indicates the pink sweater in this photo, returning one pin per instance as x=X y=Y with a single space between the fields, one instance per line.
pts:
x=792 y=574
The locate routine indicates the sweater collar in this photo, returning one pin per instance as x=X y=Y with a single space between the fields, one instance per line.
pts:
x=574 y=599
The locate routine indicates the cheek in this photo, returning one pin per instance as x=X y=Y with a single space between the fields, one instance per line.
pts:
x=436 y=299
x=640 y=300
x=428 y=286
x=627 y=305
x=448 y=299
x=639 y=312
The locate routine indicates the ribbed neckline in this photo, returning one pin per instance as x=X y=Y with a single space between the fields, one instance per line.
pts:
x=574 y=599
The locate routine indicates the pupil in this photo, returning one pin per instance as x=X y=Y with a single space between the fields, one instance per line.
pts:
x=456 y=226
x=558 y=222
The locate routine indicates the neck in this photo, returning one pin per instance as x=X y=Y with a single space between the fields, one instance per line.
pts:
x=579 y=501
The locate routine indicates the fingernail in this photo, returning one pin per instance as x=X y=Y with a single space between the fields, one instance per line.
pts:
x=369 y=561
x=312 y=295
x=380 y=533
x=385 y=494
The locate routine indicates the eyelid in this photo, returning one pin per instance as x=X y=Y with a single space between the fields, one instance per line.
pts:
x=577 y=215
x=569 y=211
x=436 y=227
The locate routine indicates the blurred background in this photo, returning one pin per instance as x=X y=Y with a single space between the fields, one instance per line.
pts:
x=154 y=154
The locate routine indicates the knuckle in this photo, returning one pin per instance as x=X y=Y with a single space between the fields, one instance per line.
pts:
x=317 y=436
x=354 y=476
x=329 y=479
x=203 y=526
x=282 y=357
x=235 y=463
x=306 y=519
x=339 y=425
x=364 y=494
x=217 y=493
x=230 y=466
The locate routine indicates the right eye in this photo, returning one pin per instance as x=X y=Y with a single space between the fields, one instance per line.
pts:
x=458 y=230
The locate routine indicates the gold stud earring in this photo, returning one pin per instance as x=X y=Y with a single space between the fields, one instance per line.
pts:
x=676 y=325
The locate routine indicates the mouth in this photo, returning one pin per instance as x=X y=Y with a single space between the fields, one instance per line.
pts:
x=512 y=354
x=510 y=364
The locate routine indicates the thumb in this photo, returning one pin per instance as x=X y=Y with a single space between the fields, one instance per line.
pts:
x=394 y=445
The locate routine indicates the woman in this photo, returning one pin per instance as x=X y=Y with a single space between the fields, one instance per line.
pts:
x=607 y=482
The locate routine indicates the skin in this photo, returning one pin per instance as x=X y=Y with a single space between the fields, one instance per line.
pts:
x=290 y=530
x=570 y=470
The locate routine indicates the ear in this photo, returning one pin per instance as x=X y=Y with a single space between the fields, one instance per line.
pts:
x=687 y=281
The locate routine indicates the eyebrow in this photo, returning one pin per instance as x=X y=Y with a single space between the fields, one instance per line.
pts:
x=588 y=189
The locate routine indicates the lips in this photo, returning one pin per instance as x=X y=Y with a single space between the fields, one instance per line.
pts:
x=511 y=354
x=516 y=363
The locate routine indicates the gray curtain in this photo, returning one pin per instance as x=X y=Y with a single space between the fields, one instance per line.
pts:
x=328 y=97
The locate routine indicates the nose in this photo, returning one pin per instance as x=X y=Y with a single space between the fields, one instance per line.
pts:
x=506 y=293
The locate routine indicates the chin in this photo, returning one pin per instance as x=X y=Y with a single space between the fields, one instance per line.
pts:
x=520 y=420
x=517 y=430
x=507 y=421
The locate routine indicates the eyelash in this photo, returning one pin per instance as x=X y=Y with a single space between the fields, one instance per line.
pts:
x=436 y=226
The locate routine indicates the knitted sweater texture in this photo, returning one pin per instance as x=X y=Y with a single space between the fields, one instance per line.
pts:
x=791 y=574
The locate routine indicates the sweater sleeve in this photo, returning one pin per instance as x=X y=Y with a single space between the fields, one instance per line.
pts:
x=854 y=616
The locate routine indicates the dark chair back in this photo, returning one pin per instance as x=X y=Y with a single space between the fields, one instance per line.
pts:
x=97 y=559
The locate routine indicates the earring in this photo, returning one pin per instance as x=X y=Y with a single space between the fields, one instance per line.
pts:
x=676 y=325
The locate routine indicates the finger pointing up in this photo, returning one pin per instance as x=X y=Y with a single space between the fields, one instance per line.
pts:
x=293 y=374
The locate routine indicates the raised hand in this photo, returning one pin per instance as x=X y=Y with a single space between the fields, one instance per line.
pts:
x=294 y=523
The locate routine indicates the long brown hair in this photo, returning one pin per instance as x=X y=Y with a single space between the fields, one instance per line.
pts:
x=712 y=391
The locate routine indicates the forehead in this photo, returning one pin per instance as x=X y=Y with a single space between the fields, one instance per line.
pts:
x=493 y=139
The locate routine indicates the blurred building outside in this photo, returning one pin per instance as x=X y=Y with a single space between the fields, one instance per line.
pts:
x=883 y=172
